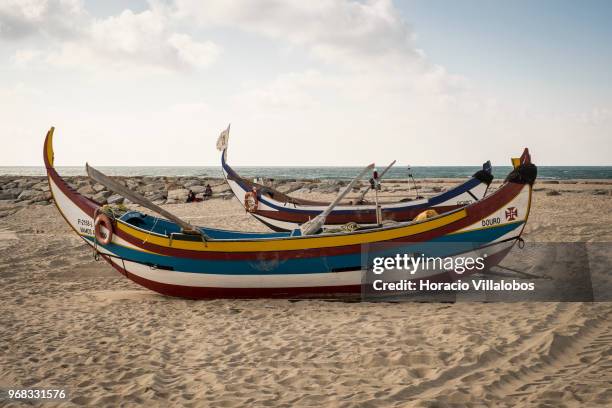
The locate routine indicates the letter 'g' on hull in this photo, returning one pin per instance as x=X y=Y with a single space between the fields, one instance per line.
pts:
x=232 y=264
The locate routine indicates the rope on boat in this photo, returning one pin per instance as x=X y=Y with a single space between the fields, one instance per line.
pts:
x=204 y=240
x=149 y=233
x=350 y=227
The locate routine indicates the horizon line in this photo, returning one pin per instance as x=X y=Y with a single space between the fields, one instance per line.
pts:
x=304 y=166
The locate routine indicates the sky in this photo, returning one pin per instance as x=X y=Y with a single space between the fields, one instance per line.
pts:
x=316 y=83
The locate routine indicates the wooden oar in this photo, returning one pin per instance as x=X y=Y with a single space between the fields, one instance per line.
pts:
x=112 y=185
x=313 y=226
x=364 y=192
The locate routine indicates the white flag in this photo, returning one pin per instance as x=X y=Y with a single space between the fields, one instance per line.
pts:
x=223 y=138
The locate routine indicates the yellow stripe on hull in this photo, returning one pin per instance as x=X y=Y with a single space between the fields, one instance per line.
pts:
x=298 y=243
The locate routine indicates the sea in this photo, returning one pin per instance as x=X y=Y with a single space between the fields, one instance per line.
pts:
x=278 y=172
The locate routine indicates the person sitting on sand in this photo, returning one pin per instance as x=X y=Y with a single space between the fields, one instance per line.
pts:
x=208 y=191
x=191 y=196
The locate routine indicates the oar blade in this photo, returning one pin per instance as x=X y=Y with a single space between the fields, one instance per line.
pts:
x=133 y=196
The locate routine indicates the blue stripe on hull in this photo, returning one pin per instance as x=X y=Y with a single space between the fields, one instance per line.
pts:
x=461 y=242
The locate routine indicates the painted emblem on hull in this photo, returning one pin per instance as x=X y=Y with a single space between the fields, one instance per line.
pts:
x=511 y=213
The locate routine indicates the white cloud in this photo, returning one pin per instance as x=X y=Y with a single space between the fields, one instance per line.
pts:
x=191 y=52
x=22 y=58
x=595 y=117
x=332 y=29
x=22 y=18
x=20 y=93
x=193 y=109
x=146 y=39
x=286 y=92
x=367 y=43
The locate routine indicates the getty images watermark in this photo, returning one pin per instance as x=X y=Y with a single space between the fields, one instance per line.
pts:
x=471 y=271
x=435 y=267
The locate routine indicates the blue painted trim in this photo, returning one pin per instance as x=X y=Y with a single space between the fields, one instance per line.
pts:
x=297 y=265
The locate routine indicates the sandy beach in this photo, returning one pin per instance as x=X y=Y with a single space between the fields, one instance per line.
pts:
x=71 y=322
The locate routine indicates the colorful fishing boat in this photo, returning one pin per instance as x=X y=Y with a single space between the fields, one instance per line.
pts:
x=177 y=259
x=282 y=212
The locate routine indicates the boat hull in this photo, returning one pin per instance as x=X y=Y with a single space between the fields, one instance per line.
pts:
x=277 y=265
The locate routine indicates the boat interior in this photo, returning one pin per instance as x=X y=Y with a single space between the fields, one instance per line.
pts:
x=164 y=227
x=161 y=226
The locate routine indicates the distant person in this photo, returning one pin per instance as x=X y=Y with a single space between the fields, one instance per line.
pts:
x=191 y=196
x=208 y=191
